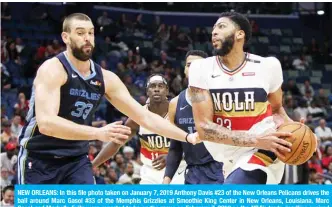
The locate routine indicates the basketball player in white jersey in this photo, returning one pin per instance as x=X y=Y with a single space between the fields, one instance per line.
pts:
x=154 y=147
x=234 y=97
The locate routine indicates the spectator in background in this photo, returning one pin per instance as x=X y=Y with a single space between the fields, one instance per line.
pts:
x=4 y=180
x=286 y=63
x=315 y=163
x=314 y=177
x=8 y=196
x=182 y=44
x=323 y=133
x=125 y=23
x=160 y=65
x=300 y=63
x=155 y=24
x=111 y=174
x=129 y=155
x=129 y=175
x=174 y=32
x=142 y=100
x=134 y=90
x=104 y=20
x=327 y=158
x=121 y=70
x=19 y=45
x=307 y=87
x=308 y=97
x=12 y=51
x=301 y=111
x=9 y=158
x=57 y=47
x=313 y=47
x=140 y=62
x=139 y=24
x=129 y=60
x=104 y=65
x=7 y=133
x=49 y=52
x=118 y=164
x=291 y=88
x=161 y=37
x=22 y=106
x=16 y=125
x=289 y=107
x=316 y=111
x=322 y=99
x=5 y=11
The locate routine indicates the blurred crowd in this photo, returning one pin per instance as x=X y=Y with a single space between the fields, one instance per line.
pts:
x=20 y=61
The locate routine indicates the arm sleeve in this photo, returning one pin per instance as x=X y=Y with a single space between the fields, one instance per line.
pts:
x=197 y=76
x=174 y=158
x=275 y=74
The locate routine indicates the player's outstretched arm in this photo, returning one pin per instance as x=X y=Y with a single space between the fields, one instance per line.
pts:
x=112 y=148
x=118 y=95
x=50 y=77
x=175 y=151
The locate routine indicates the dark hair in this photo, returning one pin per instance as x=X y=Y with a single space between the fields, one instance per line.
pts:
x=199 y=53
x=326 y=148
x=9 y=187
x=241 y=21
x=77 y=16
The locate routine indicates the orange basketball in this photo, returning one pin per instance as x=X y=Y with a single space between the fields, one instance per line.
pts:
x=303 y=143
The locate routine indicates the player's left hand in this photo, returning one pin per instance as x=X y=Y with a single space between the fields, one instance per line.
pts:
x=159 y=163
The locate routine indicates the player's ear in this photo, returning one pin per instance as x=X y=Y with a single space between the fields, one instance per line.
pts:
x=240 y=35
x=65 y=37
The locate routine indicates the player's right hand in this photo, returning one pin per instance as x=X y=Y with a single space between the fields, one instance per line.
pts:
x=114 y=132
x=274 y=142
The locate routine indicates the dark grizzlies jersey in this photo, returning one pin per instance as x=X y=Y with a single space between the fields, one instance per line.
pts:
x=79 y=98
x=194 y=154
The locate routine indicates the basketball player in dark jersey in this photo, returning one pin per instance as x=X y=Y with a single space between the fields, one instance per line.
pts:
x=201 y=167
x=66 y=92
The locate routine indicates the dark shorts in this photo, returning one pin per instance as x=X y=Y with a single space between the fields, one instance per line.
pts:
x=240 y=176
x=41 y=169
x=210 y=173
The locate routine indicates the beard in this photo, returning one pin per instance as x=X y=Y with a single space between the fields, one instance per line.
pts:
x=226 y=46
x=79 y=53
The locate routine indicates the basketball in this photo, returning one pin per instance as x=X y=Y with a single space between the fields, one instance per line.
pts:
x=303 y=143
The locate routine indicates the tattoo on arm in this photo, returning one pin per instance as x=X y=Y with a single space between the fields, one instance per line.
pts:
x=197 y=95
x=216 y=133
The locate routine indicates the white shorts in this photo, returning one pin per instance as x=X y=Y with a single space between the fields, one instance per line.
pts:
x=245 y=158
x=248 y=158
x=149 y=175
